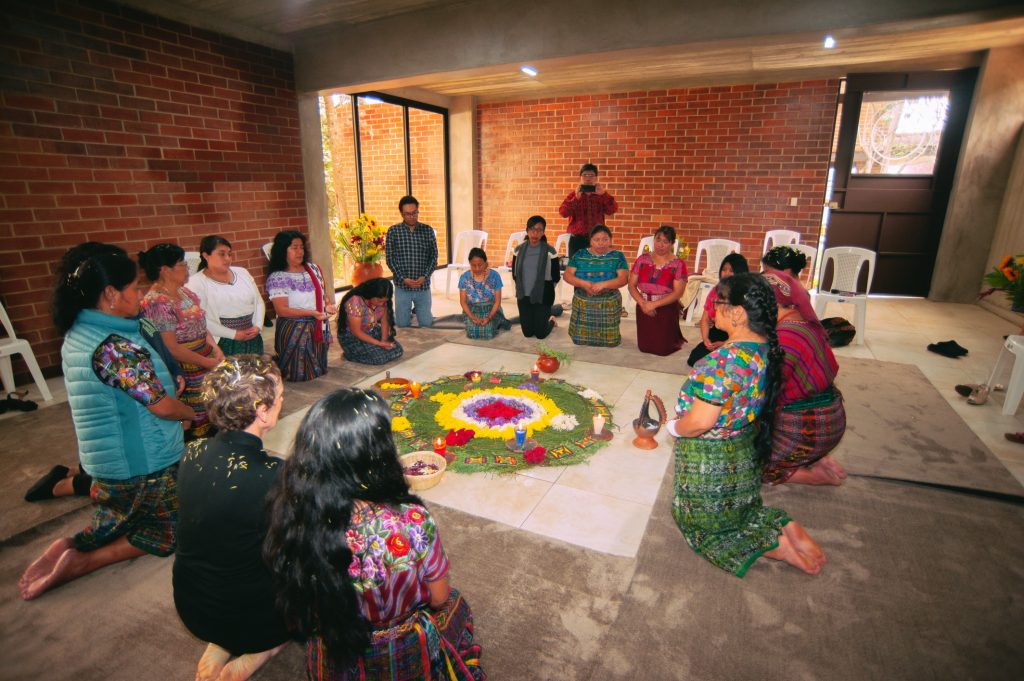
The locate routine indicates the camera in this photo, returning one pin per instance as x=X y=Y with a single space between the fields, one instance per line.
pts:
x=588 y=188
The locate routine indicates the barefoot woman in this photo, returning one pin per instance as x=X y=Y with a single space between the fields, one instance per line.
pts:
x=724 y=421
x=127 y=423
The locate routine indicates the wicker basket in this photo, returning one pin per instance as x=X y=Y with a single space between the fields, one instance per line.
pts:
x=419 y=483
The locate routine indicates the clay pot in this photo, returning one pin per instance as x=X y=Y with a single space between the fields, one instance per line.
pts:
x=547 y=364
x=364 y=271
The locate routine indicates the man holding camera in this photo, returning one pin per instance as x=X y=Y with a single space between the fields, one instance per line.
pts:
x=585 y=207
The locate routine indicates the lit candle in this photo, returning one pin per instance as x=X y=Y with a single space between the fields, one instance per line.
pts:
x=475 y=376
x=520 y=432
x=439 y=446
x=598 y=424
x=414 y=389
x=535 y=373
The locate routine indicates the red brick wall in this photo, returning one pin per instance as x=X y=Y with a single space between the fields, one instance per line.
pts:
x=118 y=126
x=719 y=162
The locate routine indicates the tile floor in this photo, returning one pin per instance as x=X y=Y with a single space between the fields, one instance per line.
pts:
x=616 y=489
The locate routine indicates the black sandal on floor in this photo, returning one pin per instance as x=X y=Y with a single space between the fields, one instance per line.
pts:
x=15 y=402
x=43 y=489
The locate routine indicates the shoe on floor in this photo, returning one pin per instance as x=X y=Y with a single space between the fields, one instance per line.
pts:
x=944 y=350
x=1016 y=437
x=43 y=488
x=965 y=389
x=979 y=395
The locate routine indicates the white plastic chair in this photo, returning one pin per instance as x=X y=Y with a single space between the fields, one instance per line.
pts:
x=192 y=260
x=514 y=240
x=648 y=243
x=811 y=253
x=266 y=249
x=464 y=242
x=779 y=237
x=715 y=251
x=12 y=345
x=1014 y=347
x=695 y=310
x=847 y=263
x=563 y=291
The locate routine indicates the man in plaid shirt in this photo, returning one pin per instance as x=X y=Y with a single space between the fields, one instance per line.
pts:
x=411 y=252
x=586 y=208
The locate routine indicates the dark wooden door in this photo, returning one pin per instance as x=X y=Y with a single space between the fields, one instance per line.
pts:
x=895 y=159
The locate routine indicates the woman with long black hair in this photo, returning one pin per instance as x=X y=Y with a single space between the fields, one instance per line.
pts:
x=358 y=565
x=366 y=330
x=126 y=418
x=724 y=421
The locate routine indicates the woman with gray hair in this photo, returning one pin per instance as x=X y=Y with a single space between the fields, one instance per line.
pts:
x=222 y=590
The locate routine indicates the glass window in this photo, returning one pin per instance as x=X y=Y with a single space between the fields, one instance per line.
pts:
x=898 y=132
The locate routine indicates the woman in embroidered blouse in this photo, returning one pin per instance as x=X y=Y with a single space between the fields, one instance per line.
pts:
x=711 y=336
x=343 y=518
x=597 y=272
x=811 y=418
x=126 y=418
x=176 y=312
x=656 y=282
x=229 y=296
x=223 y=591
x=480 y=296
x=366 y=330
x=724 y=421
x=303 y=303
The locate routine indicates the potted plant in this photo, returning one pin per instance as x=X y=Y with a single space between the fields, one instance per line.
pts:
x=362 y=242
x=550 y=359
x=1008 y=277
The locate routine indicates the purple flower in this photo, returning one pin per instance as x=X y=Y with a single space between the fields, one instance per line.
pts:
x=375 y=543
x=417 y=538
x=370 y=569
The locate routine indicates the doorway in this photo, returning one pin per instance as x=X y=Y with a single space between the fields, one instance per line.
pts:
x=898 y=142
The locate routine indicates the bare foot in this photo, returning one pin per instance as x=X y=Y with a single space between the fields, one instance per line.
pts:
x=43 y=565
x=803 y=543
x=788 y=554
x=211 y=663
x=815 y=474
x=64 y=570
x=243 y=667
x=833 y=465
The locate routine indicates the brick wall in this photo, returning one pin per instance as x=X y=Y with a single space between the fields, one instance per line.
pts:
x=118 y=126
x=719 y=162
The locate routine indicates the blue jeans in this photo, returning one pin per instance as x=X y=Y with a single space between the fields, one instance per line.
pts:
x=404 y=300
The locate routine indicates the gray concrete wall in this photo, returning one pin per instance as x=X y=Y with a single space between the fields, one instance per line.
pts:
x=982 y=177
x=494 y=32
x=316 y=191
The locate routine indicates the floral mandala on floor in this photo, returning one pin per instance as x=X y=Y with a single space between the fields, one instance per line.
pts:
x=556 y=416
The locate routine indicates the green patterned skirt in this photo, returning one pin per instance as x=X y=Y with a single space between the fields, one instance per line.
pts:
x=717 y=503
x=595 y=319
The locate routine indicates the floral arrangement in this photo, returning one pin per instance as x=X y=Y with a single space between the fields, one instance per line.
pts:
x=681 y=250
x=564 y=357
x=495 y=412
x=1006 y=277
x=360 y=240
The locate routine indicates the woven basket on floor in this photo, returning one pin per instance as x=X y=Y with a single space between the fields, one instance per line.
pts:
x=418 y=483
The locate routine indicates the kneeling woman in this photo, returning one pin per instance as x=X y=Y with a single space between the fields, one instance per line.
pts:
x=360 y=571
x=480 y=296
x=811 y=418
x=222 y=590
x=536 y=271
x=725 y=413
x=656 y=283
x=366 y=330
x=597 y=272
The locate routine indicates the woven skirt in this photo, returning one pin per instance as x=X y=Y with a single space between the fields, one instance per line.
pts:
x=357 y=350
x=490 y=329
x=230 y=346
x=804 y=432
x=660 y=334
x=193 y=395
x=427 y=645
x=299 y=356
x=144 y=509
x=718 y=505
x=595 y=319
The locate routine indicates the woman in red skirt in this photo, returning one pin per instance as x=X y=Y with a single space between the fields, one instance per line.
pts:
x=656 y=282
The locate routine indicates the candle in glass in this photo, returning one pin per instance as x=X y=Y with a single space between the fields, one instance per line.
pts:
x=598 y=424
x=520 y=432
x=535 y=373
x=440 y=446
x=414 y=389
x=475 y=376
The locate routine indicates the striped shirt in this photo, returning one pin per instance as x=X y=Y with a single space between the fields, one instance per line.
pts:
x=808 y=367
x=586 y=211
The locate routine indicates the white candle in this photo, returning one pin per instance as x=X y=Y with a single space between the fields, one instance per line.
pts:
x=598 y=424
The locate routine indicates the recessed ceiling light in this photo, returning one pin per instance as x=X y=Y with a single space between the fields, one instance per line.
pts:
x=830 y=42
x=370 y=99
x=528 y=70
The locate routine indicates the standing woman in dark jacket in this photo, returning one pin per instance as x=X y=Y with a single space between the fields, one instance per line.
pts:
x=535 y=272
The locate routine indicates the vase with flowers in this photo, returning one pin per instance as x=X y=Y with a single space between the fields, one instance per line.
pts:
x=360 y=241
x=1007 y=277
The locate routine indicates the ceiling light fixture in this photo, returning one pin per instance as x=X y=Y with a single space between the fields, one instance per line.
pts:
x=830 y=42
x=528 y=70
x=370 y=99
